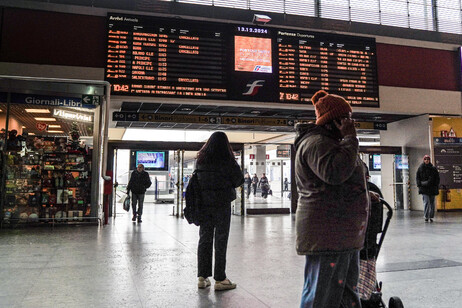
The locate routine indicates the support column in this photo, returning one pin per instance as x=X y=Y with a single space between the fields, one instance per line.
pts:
x=260 y=159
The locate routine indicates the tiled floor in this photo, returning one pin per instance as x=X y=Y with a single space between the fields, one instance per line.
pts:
x=153 y=264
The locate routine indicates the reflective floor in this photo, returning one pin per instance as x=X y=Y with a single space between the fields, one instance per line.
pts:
x=153 y=264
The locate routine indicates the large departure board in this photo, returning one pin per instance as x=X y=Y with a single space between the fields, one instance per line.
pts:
x=153 y=57
x=164 y=57
x=342 y=65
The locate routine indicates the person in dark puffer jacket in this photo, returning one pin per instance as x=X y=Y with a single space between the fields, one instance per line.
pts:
x=139 y=182
x=428 y=181
x=218 y=175
x=333 y=204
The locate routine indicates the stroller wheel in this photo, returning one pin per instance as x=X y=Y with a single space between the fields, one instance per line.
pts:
x=395 y=302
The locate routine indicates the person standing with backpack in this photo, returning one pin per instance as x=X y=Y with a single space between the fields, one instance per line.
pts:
x=139 y=182
x=218 y=176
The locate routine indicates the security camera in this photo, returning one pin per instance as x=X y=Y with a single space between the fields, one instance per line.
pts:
x=260 y=19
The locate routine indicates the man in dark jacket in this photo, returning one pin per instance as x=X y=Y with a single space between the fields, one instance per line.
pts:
x=428 y=181
x=247 y=185
x=139 y=182
x=254 y=184
x=264 y=186
x=333 y=204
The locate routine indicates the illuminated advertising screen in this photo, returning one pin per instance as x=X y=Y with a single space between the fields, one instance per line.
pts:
x=401 y=162
x=152 y=160
x=166 y=57
x=377 y=162
x=252 y=54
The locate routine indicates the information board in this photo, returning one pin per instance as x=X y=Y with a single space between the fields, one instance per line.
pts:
x=342 y=65
x=183 y=58
x=448 y=161
x=158 y=57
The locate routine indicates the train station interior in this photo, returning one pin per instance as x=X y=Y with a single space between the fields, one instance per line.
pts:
x=91 y=89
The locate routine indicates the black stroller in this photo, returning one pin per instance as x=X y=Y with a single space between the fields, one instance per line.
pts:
x=368 y=287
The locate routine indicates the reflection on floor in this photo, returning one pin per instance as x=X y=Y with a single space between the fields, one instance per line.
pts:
x=153 y=264
x=272 y=201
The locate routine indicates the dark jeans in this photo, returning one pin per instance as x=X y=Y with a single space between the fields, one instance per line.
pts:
x=254 y=186
x=330 y=281
x=216 y=224
x=137 y=199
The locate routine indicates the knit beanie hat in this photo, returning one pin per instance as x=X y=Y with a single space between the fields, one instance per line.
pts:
x=426 y=156
x=329 y=107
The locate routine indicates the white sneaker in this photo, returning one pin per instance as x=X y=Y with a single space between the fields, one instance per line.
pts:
x=224 y=285
x=203 y=283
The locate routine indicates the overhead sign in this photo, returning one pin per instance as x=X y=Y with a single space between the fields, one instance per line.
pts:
x=283 y=151
x=46 y=100
x=91 y=99
x=172 y=118
x=72 y=116
x=371 y=125
x=254 y=121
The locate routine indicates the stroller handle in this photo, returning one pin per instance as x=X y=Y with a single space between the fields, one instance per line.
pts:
x=388 y=206
x=385 y=226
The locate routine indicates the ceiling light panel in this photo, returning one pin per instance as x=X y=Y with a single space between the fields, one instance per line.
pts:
x=37 y=110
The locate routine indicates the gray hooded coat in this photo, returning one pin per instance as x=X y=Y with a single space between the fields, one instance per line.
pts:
x=333 y=203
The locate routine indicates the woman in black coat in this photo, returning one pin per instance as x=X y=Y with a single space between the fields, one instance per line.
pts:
x=218 y=175
x=428 y=181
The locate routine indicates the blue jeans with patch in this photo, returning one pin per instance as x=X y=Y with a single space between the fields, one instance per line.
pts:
x=429 y=206
x=330 y=281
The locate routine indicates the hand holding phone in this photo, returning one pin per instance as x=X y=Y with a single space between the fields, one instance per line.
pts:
x=346 y=126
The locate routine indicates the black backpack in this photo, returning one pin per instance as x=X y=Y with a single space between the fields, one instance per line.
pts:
x=193 y=198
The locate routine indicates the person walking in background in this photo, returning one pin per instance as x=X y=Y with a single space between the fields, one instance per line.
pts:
x=428 y=181
x=286 y=184
x=218 y=175
x=254 y=184
x=264 y=185
x=333 y=204
x=247 y=185
x=139 y=182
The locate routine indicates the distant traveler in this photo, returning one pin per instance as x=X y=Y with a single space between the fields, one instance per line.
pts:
x=254 y=184
x=286 y=184
x=139 y=182
x=264 y=185
x=428 y=181
x=333 y=204
x=247 y=185
x=218 y=175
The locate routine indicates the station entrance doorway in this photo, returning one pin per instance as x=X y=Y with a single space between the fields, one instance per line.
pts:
x=169 y=165
x=175 y=163
x=389 y=170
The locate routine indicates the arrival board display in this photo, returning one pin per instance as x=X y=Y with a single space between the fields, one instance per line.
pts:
x=145 y=57
x=183 y=58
